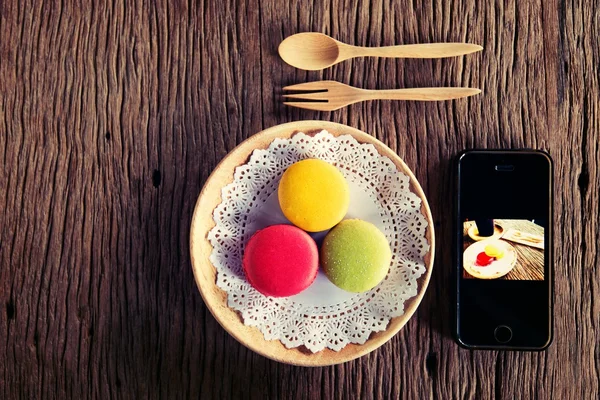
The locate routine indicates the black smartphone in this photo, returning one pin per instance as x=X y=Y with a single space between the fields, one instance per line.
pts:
x=503 y=249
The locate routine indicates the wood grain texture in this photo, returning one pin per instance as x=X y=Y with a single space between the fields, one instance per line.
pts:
x=112 y=116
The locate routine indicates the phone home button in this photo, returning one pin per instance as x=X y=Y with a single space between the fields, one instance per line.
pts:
x=503 y=334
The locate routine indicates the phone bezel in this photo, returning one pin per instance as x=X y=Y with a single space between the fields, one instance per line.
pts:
x=457 y=246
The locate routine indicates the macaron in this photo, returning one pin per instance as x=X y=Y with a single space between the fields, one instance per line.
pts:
x=494 y=250
x=281 y=260
x=355 y=255
x=313 y=195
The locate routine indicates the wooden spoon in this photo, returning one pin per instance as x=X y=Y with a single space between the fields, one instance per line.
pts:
x=314 y=51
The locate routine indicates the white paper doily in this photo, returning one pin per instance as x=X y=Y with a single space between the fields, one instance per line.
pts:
x=322 y=315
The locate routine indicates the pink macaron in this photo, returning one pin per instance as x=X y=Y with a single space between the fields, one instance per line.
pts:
x=281 y=260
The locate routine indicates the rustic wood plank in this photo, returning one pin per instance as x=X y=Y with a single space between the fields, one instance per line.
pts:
x=112 y=117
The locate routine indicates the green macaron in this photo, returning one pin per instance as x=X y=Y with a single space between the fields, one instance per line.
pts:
x=355 y=255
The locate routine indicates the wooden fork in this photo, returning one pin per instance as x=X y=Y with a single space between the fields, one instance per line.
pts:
x=333 y=95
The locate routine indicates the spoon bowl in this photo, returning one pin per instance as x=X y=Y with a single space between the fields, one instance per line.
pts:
x=313 y=51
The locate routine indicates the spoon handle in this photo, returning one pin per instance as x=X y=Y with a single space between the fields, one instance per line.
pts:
x=430 y=50
x=422 y=94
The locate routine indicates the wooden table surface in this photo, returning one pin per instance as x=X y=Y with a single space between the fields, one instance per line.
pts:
x=530 y=260
x=112 y=116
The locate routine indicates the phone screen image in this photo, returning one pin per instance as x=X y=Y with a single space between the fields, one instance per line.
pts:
x=503 y=250
x=508 y=249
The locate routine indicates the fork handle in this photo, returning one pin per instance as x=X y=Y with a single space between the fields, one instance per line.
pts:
x=422 y=94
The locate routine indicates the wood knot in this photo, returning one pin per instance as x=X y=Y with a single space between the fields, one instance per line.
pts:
x=583 y=181
x=10 y=309
x=156 y=178
x=431 y=363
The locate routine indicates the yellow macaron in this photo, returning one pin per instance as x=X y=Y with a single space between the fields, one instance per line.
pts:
x=494 y=250
x=313 y=195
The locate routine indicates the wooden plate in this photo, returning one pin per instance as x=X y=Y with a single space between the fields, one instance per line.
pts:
x=205 y=273
x=474 y=234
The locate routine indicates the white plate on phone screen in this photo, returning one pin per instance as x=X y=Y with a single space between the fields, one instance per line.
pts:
x=497 y=268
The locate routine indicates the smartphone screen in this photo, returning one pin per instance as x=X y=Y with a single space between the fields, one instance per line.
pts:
x=503 y=247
